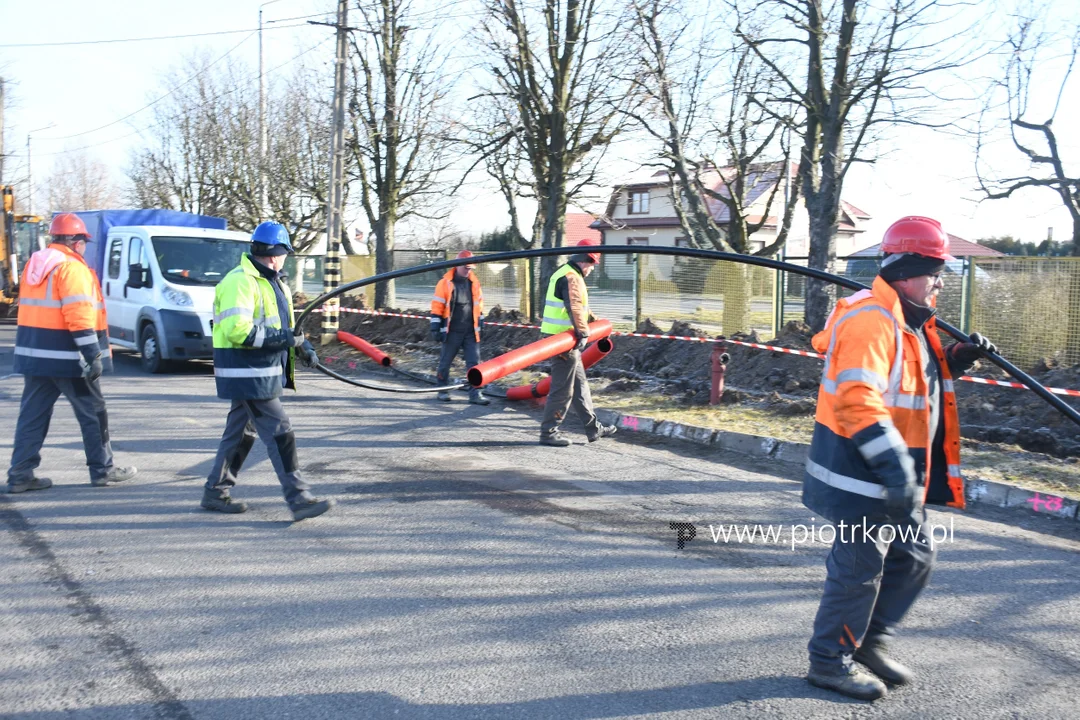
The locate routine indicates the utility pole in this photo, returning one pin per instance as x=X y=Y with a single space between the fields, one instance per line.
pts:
x=335 y=188
x=1 y=132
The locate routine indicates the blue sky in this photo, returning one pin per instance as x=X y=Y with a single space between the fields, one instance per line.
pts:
x=80 y=89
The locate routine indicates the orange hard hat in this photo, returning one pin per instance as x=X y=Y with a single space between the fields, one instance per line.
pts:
x=466 y=254
x=587 y=242
x=68 y=224
x=919 y=235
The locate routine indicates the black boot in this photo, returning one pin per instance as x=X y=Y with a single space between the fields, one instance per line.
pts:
x=221 y=503
x=878 y=662
x=853 y=683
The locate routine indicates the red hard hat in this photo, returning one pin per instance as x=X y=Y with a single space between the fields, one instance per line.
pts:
x=919 y=235
x=68 y=224
x=593 y=256
x=466 y=254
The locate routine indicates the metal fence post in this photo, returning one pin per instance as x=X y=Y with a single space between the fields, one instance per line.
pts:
x=778 y=302
x=638 y=292
x=969 y=296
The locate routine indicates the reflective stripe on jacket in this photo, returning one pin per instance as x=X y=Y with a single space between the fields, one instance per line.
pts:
x=61 y=315
x=872 y=422
x=556 y=317
x=244 y=302
x=444 y=295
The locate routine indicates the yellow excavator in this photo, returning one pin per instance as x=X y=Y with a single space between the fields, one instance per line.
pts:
x=20 y=236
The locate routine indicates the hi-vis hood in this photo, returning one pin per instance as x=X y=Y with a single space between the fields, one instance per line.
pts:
x=44 y=262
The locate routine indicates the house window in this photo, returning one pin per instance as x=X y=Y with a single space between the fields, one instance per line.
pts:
x=682 y=241
x=635 y=241
x=639 y=202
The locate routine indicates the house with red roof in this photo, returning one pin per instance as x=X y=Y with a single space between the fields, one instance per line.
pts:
x=579 y=227
x=641 y=211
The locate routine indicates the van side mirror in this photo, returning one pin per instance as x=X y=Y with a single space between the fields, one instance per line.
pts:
x=138 y=276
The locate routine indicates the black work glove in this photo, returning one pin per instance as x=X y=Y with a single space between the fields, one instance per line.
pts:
x=91 y=365
x=307 y=354
x=969 y=352
x=583 y=340
x=899 y=501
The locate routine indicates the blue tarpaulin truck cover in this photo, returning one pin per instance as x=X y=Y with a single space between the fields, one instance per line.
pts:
x=98 y=223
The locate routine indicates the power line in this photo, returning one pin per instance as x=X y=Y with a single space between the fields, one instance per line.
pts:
x=138 y=131
x=152 y=39
x=155 y=102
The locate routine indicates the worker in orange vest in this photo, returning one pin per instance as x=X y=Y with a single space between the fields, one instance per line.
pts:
x=457 y=317
x=886 y=442
x=61 y=348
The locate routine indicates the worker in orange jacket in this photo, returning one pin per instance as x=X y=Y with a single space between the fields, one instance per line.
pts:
x=457 y=317
x=886 y=441
x=62 y=347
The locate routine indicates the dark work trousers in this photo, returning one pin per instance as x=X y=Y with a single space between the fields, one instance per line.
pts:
x=870 y=586
x=456 y=341
x=39 y=396
x=268 y=420
x=569 y=388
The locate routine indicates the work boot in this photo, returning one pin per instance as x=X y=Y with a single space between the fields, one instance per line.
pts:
x=878 y=662
x=222 y=503
x=605 y=431
x=311 y=508
x=116 y=474
x=34 y=483
x=853 y=683
x=554 y=440
x=476 y=397
x=443 y=395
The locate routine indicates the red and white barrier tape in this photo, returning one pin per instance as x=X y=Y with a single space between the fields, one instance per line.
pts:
x=759 y=346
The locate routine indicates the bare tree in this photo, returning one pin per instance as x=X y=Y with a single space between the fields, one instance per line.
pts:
x=1035 y=54
x=80 y=182
x=201 y=153
x=399 y=142
x=857 y=67
x=553 y=84
x=705 y=105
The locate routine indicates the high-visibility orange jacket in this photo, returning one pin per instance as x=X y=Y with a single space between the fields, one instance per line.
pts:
x=444 y=294
x=872 y=424
x=61 y=315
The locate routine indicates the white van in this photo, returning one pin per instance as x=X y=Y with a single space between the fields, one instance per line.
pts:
x=158 y=282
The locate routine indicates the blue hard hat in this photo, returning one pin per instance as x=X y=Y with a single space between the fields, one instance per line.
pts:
x=272 y=233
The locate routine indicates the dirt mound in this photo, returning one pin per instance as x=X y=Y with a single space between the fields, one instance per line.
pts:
x=782 y=383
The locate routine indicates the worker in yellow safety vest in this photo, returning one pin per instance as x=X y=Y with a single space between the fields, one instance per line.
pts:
x=254 y=356
x=566 y=307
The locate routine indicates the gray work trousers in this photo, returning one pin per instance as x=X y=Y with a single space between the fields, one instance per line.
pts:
x=569 y=388
x=35 y=413
x=870 y=586
x=268 y=420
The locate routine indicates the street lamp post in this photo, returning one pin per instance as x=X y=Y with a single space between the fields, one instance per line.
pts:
x=29 y=168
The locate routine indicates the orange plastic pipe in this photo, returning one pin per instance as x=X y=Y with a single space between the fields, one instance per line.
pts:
x=592 y=355
x=490 y=371
x=365 y=347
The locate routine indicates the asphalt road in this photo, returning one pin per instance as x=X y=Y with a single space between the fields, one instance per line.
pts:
x=469 y=573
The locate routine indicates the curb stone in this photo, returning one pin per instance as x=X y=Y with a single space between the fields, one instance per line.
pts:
x=979 y=491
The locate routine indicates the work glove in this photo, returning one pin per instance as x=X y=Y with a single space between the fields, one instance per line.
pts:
x=91 y=366
x=899 y=501
x=299 y=340
x=582 y=341
x=307 y=354
x=969 y=352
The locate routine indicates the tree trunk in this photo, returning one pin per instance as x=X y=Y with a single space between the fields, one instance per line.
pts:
x=820 y=295
x=384 y=261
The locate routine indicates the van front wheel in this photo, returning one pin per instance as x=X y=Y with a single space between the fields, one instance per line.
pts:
x=150 y=349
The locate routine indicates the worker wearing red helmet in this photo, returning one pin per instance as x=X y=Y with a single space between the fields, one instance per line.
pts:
x=566 y=307
x=457 y=317
x=886 y=442
x=61 y=348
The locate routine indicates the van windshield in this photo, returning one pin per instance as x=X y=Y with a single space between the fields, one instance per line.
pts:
x=197 y=260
